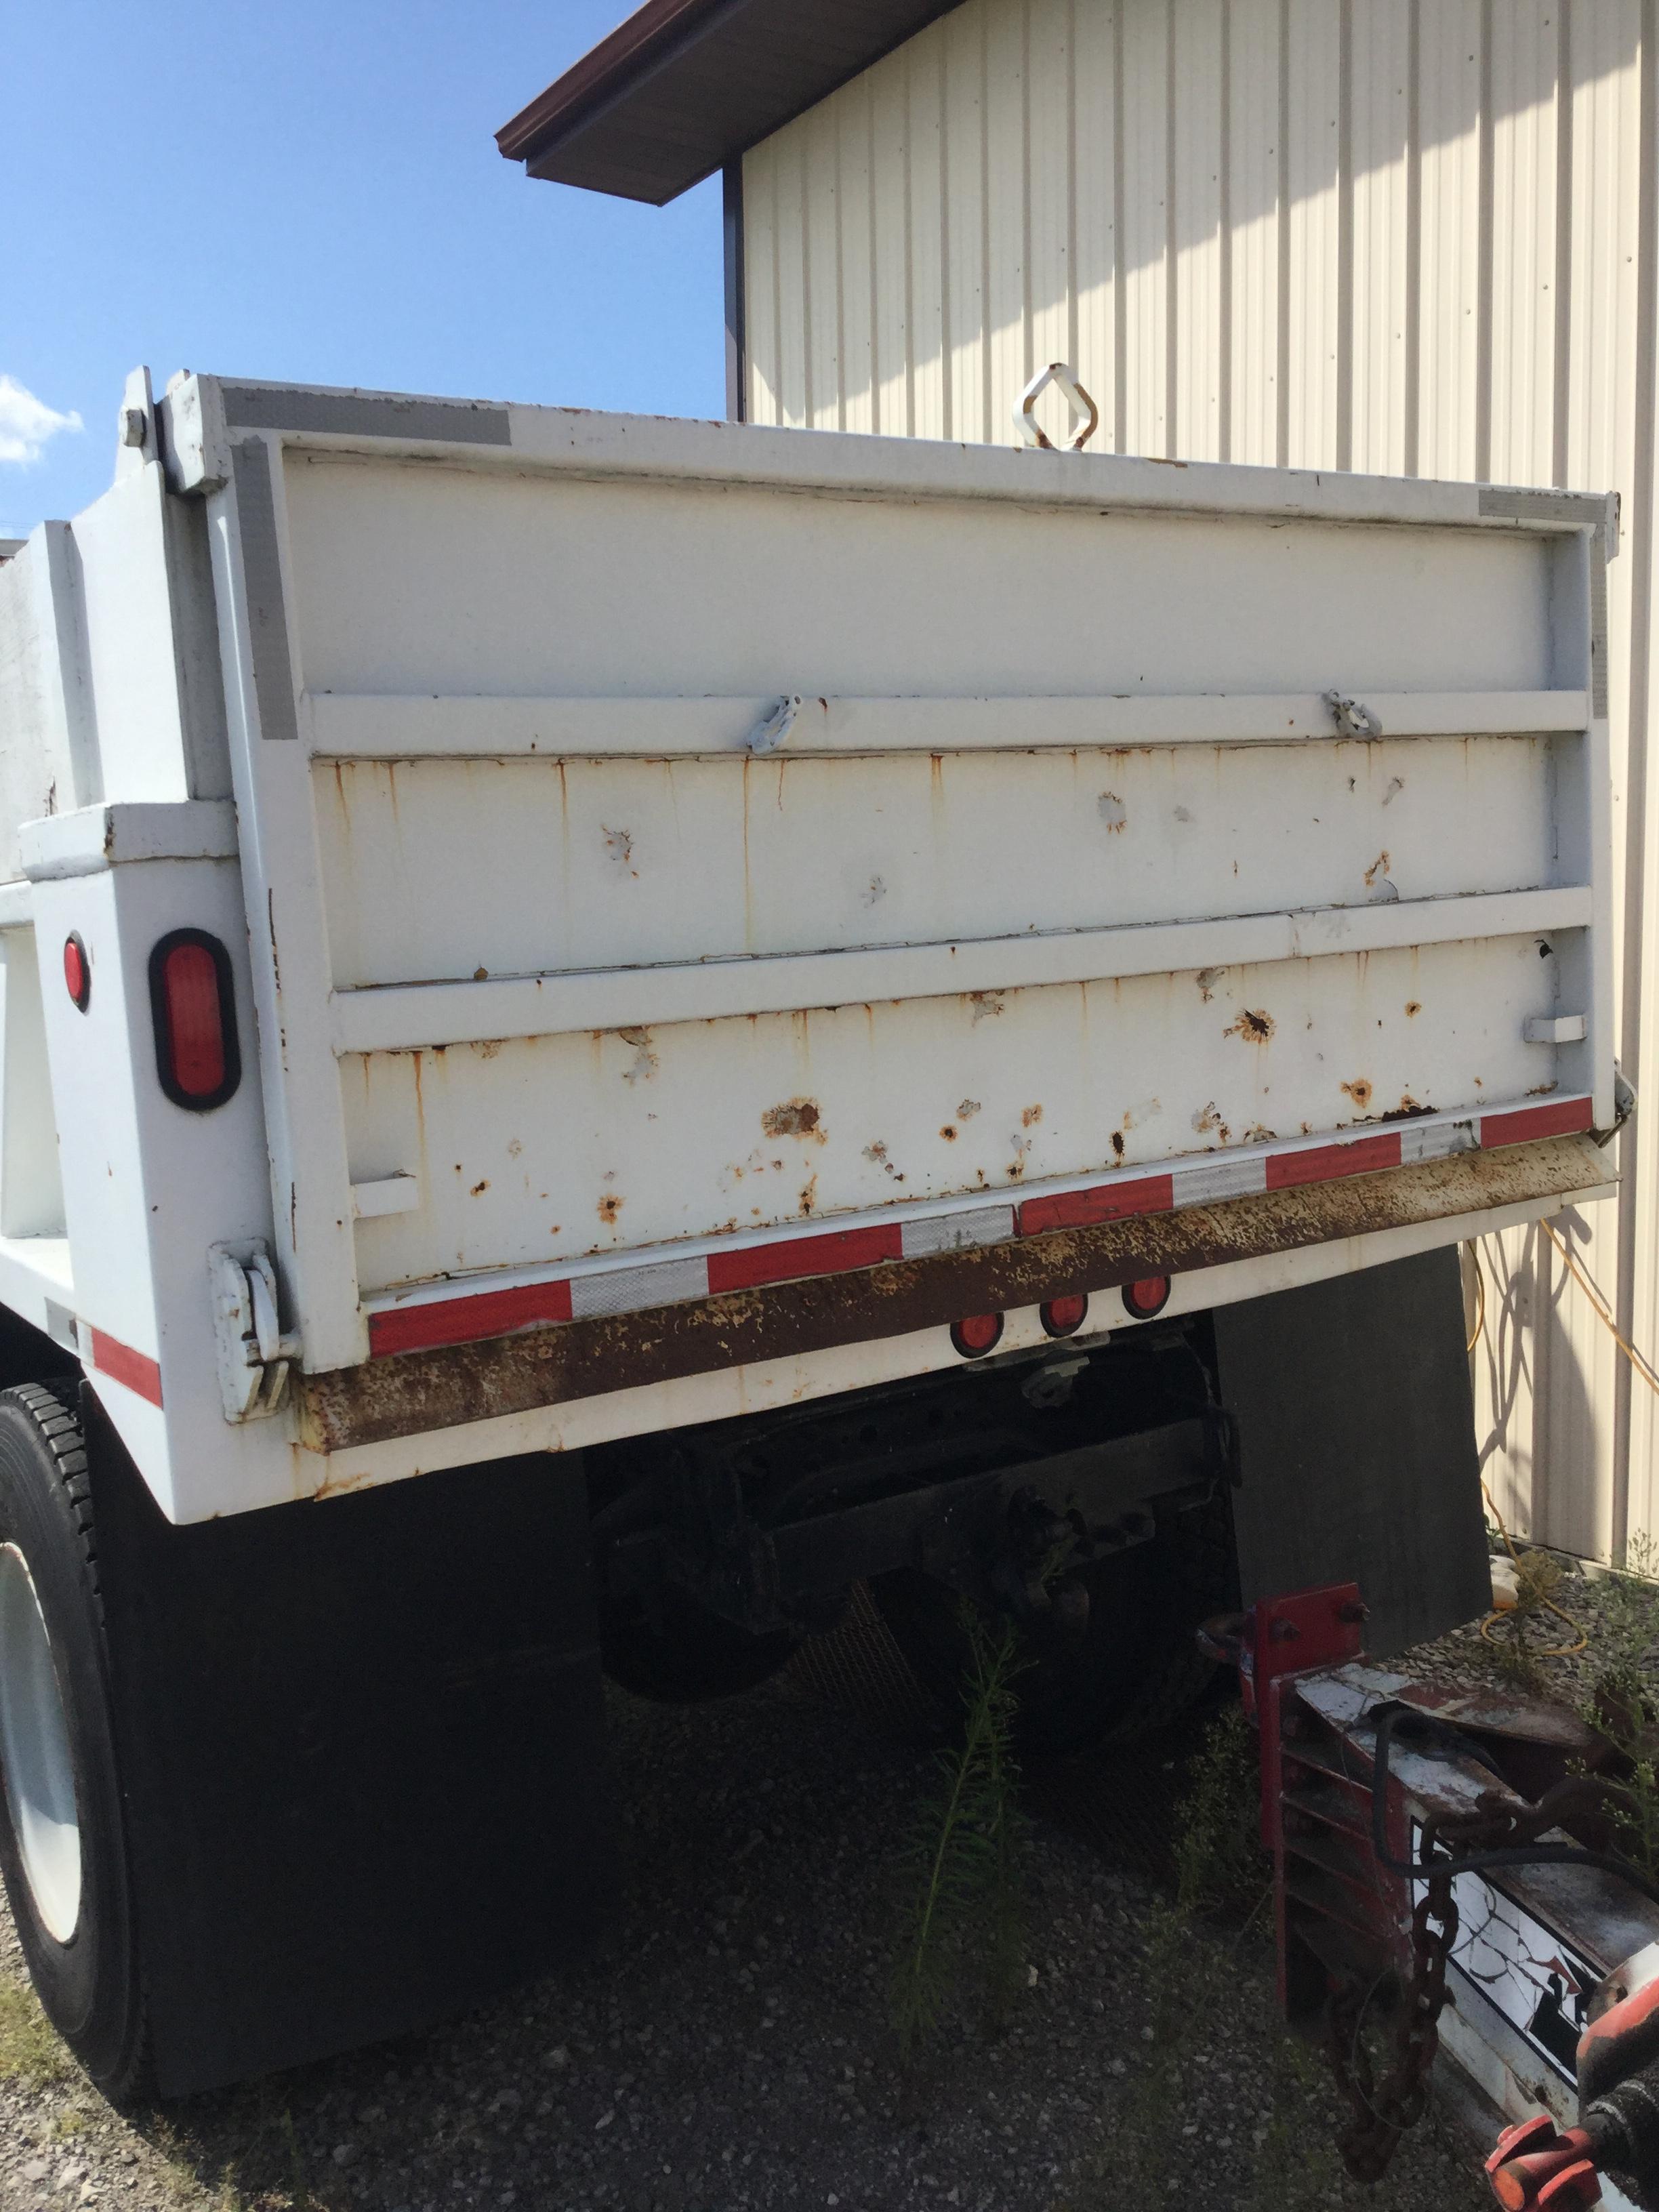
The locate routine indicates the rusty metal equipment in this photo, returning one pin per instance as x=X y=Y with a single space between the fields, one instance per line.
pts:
x=1443 y=1879
x=1539 y=2167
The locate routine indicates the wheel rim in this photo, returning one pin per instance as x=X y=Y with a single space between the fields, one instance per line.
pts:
x=34 y=1752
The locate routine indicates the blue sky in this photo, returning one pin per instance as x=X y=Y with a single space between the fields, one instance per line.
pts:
x=312 y=191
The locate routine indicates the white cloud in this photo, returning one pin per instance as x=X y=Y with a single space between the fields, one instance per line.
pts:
x=27 y=423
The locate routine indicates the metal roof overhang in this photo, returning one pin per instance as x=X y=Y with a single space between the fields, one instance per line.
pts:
x=684 y=87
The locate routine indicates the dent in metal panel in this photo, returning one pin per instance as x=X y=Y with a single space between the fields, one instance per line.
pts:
x=254 y=464
x=370 y=414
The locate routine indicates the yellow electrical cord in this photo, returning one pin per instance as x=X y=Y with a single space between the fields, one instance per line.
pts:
x=1553 y=1650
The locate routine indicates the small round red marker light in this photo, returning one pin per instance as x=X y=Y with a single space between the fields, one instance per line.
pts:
x=976 y=1333
x=1065 y=1317
x=77 y=970
x=1148 y=1297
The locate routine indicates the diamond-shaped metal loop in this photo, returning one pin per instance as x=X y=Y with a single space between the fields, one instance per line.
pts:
x=1063 y=377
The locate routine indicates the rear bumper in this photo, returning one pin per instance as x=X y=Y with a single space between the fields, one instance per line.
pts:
x=455 y=1386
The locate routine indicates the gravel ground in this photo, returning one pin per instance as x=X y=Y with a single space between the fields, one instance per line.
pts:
x=729 y=2047
x=1616 y=1618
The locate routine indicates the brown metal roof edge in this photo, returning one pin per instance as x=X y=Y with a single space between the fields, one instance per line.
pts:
x=594 y=99
x=649 y=37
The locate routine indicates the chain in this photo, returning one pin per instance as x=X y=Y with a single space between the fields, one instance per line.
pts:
x=1383 y=2111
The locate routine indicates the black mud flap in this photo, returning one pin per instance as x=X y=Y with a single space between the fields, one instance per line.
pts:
x=360 y=1744
x=1355 y=1424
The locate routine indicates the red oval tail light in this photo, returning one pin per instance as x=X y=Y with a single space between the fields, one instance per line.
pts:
x=1148 y=1297
x=193 y=1006
x=77 y=970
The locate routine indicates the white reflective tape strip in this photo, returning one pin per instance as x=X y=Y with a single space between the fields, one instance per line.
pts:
x=957 y=1232
x=601 y=1290
x=1436 y=1140
x=1197 y=1185
x=636 y=1290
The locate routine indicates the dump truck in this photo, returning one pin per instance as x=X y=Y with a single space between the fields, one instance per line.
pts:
x=617 y=1029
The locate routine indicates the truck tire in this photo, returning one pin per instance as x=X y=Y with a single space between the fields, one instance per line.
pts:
x=399 y=1688
x=62 y=1842
x=1139 y=1668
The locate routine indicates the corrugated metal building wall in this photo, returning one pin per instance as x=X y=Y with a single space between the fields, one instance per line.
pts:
x=1412 y=236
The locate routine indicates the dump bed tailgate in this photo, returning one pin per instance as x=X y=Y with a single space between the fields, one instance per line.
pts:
x=681 y=858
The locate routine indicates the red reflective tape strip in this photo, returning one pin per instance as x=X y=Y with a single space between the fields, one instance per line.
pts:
x=1562 y=1117
x=498 y=1313
x=1328 y=1163
x=122 y=1364
x=464 y=1320
x=1107 y=1202
x=749 y=1266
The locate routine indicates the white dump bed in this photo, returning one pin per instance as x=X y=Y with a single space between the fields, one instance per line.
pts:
x=680 y=859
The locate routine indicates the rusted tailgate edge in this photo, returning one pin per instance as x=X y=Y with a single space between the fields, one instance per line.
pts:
x=552 y=1366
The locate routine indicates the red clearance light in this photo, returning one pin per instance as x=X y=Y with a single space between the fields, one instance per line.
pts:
x=976 y=1333
x=1065 y=1317
x=1148 y=1297
x=77 y=970
x=194 y=1007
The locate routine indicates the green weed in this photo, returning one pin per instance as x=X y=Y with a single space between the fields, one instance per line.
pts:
x=1629 y=1628
x=963 y=1862
x=1537 y=1574
x=300 y=2196
x=1621 y=1700
x=1219 y=1863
